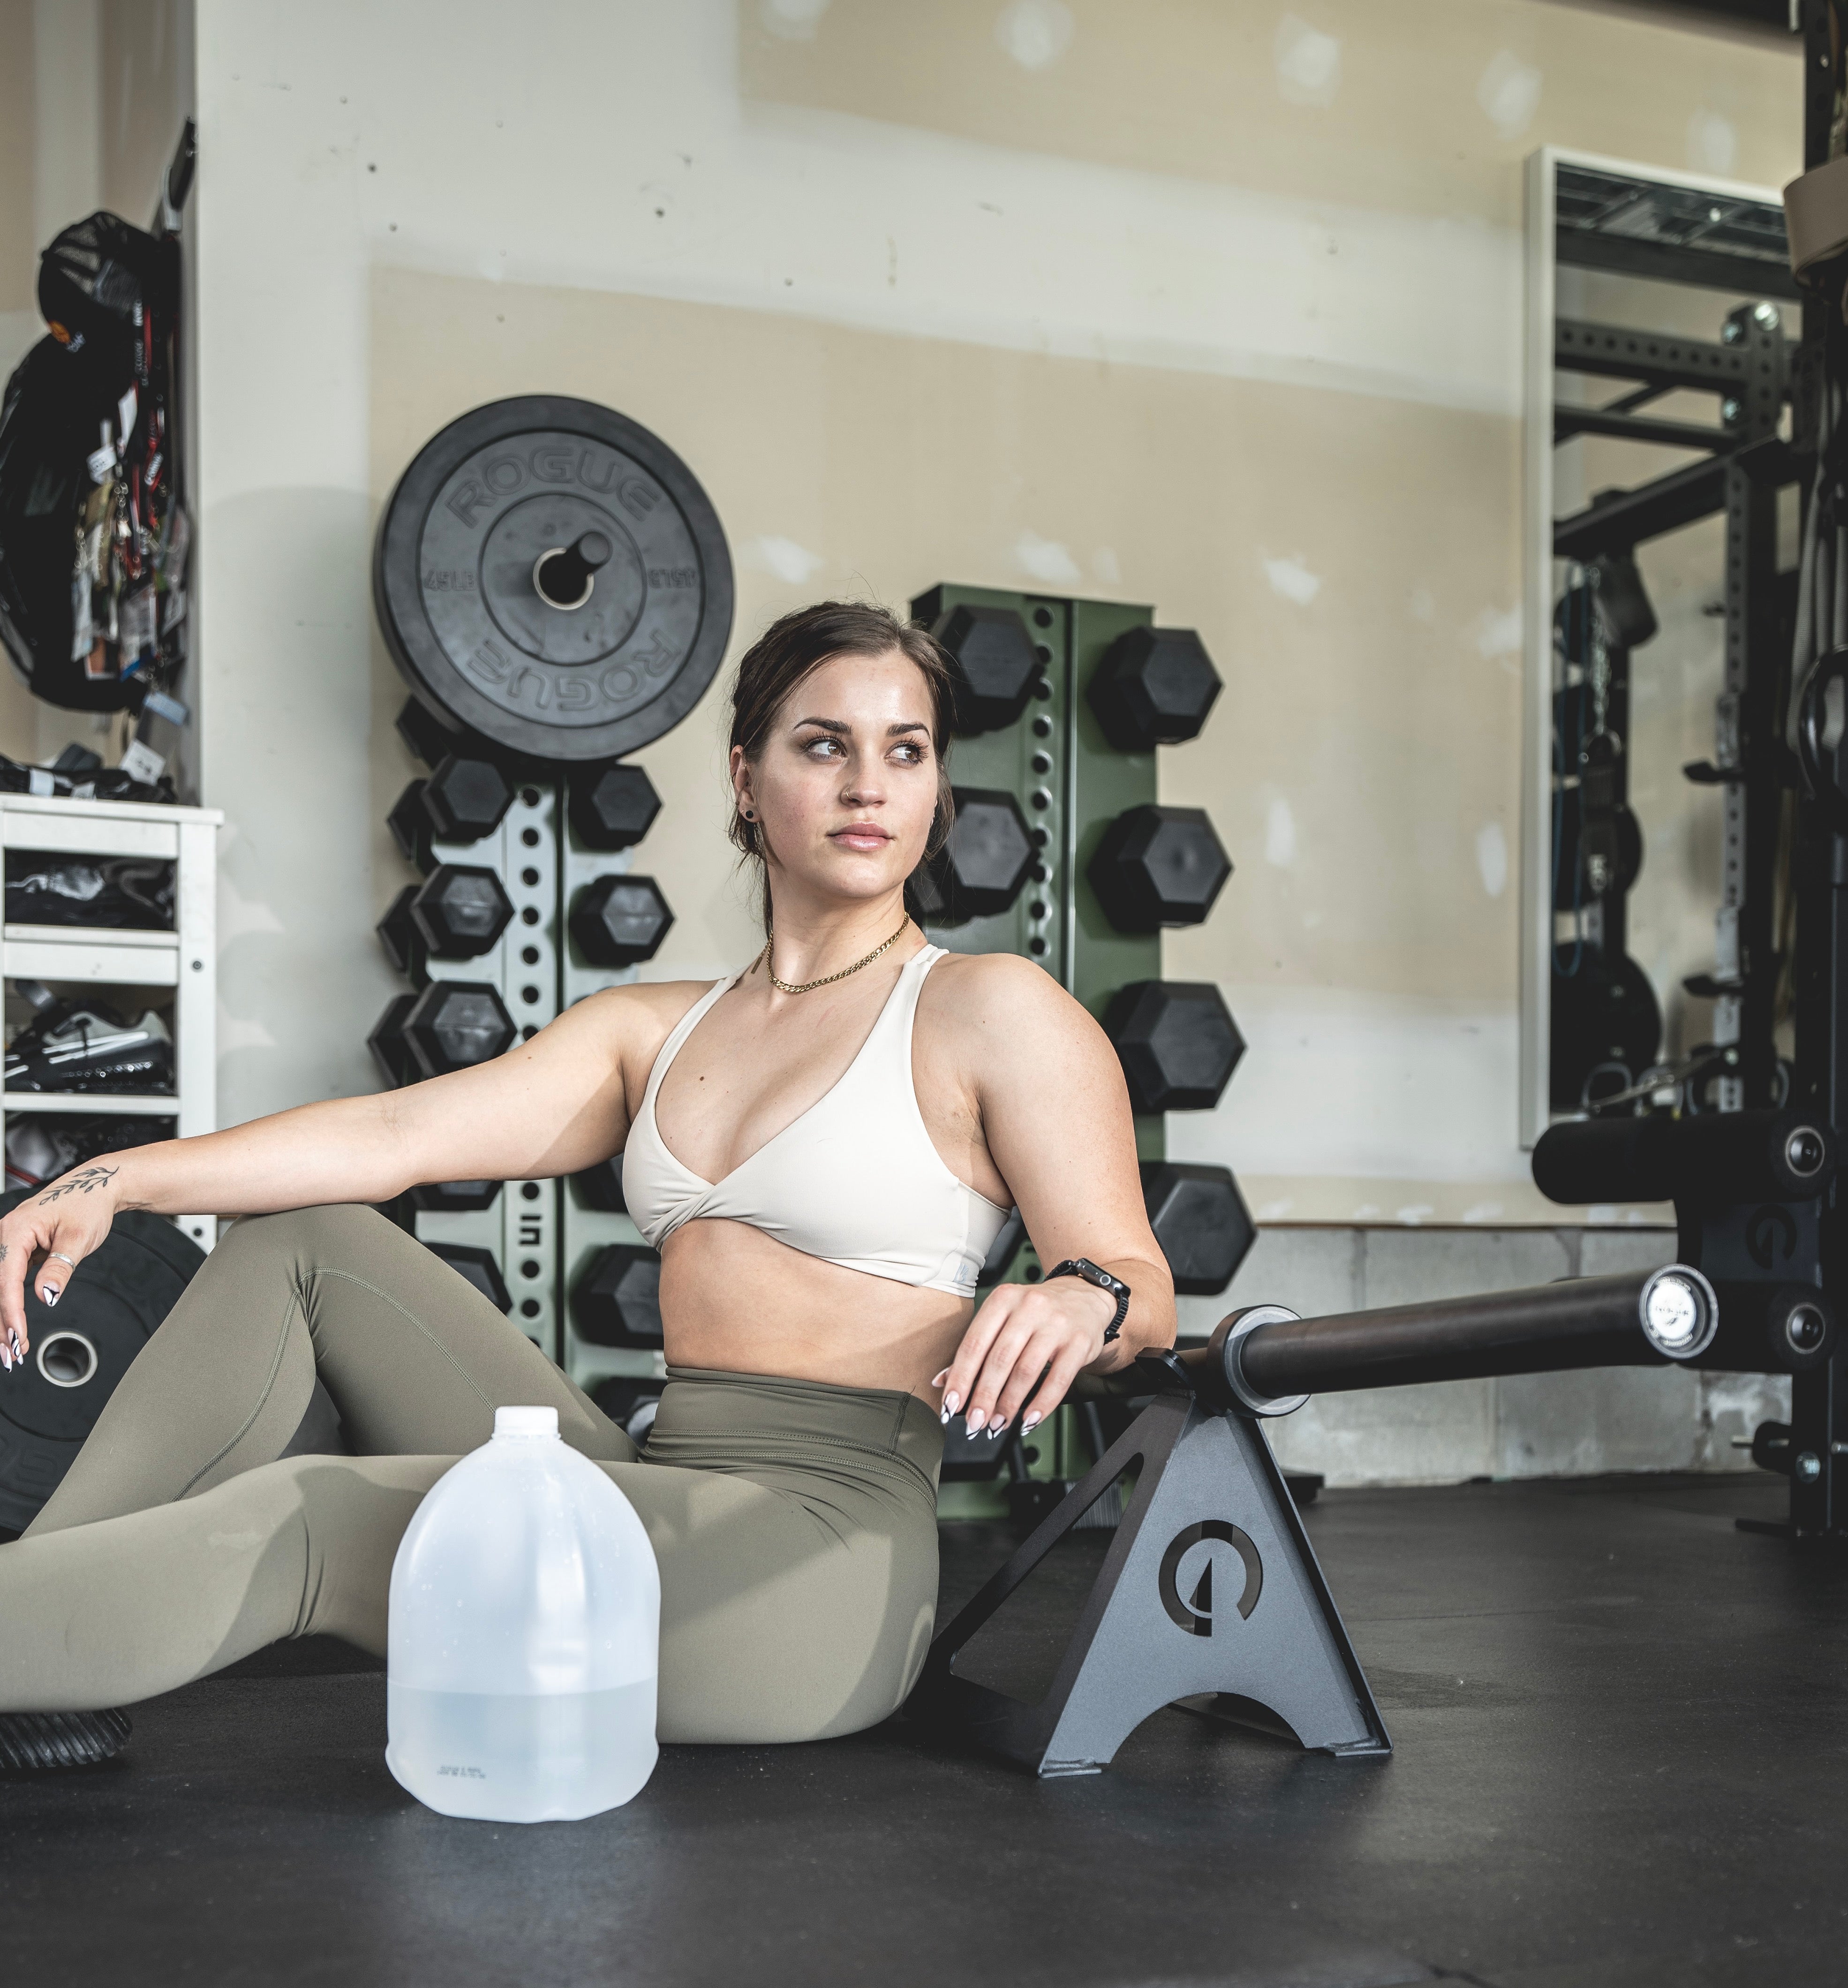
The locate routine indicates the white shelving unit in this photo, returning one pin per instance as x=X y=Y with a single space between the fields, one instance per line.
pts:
x=185 y=959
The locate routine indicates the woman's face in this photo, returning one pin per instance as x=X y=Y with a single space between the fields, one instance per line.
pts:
x=846 y=789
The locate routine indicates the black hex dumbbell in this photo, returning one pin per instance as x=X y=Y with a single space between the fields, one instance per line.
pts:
x=600 y=1187
x=1177 y=1041
x=462 y=800
x=466 y=798
x=476 y=1264
x=1199 y=1220
x=611 y=807
x=409 y=827
x=459 y=911
x=390 y=1047
x=994 y=662
x=467 y=792
x=433 y=739
x=455 y=1197
x=980 y=869
x=455 y=1024
x=426 y=737
x=618 y=1301
x=619 y=921
x=1158 y=866
x=1154 y=687
x=398 y=937
x=630 y=1401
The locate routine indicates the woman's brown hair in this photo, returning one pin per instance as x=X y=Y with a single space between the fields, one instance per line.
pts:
x=787 y=652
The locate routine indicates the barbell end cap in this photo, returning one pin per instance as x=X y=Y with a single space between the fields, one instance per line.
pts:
x=1679 y=1312
x=1227 y=1368
x=1804 y=1151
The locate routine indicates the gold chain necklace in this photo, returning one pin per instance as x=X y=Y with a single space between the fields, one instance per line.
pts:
x=828 y=980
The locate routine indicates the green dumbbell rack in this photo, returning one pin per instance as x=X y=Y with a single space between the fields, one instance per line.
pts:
x=585 y=1232
x=520 y=1227
x=1071 y=784
x=541 y=1234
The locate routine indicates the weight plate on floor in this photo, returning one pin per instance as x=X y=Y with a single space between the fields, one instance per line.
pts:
x=115 y=1301
x=551 y=576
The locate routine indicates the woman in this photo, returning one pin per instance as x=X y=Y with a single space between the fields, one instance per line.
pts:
x=823 y=1147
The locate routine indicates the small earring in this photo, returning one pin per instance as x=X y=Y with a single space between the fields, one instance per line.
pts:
x=748 y=815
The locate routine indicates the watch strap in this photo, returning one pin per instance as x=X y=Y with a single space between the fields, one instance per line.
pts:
x=1092 y=1273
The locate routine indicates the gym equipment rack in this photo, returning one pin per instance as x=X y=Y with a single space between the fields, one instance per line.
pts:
x=530 y=1243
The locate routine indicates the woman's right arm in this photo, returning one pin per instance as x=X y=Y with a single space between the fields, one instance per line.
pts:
x=550 y=1106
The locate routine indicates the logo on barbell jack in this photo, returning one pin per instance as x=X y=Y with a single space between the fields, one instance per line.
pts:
x=1195 y=1614
x=1768 y=1227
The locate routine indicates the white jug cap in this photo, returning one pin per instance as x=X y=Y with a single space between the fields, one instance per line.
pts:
x=525 y=1421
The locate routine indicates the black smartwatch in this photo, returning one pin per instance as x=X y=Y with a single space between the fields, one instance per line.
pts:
x=1083 y=1266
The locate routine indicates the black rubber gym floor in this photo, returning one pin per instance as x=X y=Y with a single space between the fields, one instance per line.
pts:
x=1622 y=1734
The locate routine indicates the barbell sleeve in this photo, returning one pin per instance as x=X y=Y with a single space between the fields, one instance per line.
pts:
x=1268 y=1362
x=1762 y=1155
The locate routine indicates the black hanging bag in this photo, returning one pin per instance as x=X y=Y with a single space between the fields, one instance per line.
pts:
x=109 y=293
x=56 y=403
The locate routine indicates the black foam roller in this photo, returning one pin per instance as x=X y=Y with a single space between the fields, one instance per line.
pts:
x=31 y=1742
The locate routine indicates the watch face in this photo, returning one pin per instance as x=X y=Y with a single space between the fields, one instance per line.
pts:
x=1092 y=1273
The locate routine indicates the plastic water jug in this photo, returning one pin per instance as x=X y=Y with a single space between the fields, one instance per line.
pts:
x=524 y=1635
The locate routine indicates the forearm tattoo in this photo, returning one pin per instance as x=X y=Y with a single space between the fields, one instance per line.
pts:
x=86 y=1180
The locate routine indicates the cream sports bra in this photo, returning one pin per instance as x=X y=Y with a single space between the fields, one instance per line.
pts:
x=855 y=1180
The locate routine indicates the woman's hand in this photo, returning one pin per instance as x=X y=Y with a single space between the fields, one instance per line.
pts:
x=46 y=1238
x=1022 y=1350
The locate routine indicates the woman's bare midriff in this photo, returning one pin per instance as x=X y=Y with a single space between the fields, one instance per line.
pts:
x=737 y=1300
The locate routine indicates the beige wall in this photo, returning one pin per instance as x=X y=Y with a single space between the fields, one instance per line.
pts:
x=895 y=462
x=1216 y=307
x=1422 y=106
x=16 y=245
x=144 y=91
x=19 y=322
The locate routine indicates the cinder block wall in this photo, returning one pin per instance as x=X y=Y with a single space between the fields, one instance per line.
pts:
x=1529 y=1425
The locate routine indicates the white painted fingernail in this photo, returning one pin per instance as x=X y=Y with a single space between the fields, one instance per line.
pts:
x=973 y=1421
x=940 y=1378
x=48 y=1293
x=1028 y=1420
x=952 y=1402
x=944 y=1417
x=994 y=1429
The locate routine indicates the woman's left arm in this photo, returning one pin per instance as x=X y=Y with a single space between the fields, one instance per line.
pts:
x=1055 y=1115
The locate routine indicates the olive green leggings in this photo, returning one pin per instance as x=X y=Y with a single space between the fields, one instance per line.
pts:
x=794 y=1522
